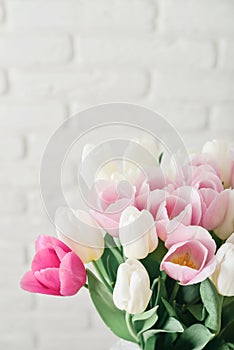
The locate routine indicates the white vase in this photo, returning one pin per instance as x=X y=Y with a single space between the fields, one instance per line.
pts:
x=125 y=345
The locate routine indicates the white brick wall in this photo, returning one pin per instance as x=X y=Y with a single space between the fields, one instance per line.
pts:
x=27 y=49
x=58 y=56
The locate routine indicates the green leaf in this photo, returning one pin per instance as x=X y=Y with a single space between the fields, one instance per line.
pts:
x=171 y=311
x=171 y=326
x=218 y=344
x=153 y=260
x=228 y=333
x=189 y=294
x=150 y=343
x=227 y=318
x=161 y=293
x=103 y=301
x=113 y=249
x=213 y=304
x=145 y=320
x=198 y=311
x=194 y=338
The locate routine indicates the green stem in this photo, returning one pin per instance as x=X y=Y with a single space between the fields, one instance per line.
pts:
x=174 y=292
x=116 y=251
x=100 y=274
x=131 y=330
x=86 y=286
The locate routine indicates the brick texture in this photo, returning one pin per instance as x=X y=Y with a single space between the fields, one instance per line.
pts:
x=58 y=57
x=34 y=49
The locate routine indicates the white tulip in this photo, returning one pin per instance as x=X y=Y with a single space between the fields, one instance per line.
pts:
x=140 y=153
x=223 y=154
x=80 y=232
x=109 y=171
x=132 y=291
x=227 y=226
x=137 y=233
x=223 y=276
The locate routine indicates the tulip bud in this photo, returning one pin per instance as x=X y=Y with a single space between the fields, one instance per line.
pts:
x=227 y=226
x=132 y=291
x=79 y=231
x=137 y=233
x=223 y=275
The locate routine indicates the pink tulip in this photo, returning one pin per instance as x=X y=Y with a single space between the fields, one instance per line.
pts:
x=203 y=172
x=55 y=269
x=214 y=207
x=108 y=200
x=151 y=180
x=206 y=159
x=180 y=206
x=191 y=255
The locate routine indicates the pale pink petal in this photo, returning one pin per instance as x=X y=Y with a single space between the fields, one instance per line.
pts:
x=142 y=197
x=191 y=195
x=175 y=205
x=72 y=274
x=206 y=272
x=186 y=233
x=157 y=204
x=185 y=216
x=156 y=178
x=215 y=213
x=161 y=229
x=183 y=274
x=111 y=226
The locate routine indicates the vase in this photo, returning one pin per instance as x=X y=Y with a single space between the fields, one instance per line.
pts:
x=125 y=345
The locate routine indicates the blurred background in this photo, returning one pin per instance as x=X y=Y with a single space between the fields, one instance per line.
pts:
x=60 y=56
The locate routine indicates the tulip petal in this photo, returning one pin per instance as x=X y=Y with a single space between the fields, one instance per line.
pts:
x=31 y=284
x=225 y=280
x=183 y=274
x=206 y=272
x=106 y=222
x=72 y=274
x=121 y=293
x=215 y=213
x=49 y=278
x=43 y=242
x=140 y=292
x=187 y=233
x=45 y=258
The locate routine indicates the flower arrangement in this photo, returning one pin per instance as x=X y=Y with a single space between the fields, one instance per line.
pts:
x=159 y=251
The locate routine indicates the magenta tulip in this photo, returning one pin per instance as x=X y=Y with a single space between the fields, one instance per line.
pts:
x=55 y=269
x=191 y=255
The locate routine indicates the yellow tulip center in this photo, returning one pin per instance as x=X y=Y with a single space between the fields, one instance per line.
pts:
x=184 y=260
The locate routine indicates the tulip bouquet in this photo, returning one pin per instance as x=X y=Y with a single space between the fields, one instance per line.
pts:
x=158 y=249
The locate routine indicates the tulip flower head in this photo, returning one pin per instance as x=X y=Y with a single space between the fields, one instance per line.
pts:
x=191 y=255
x=223 y=276
x=132 y=291
x=55 y=269
x=137 y=233
x=80 y=232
